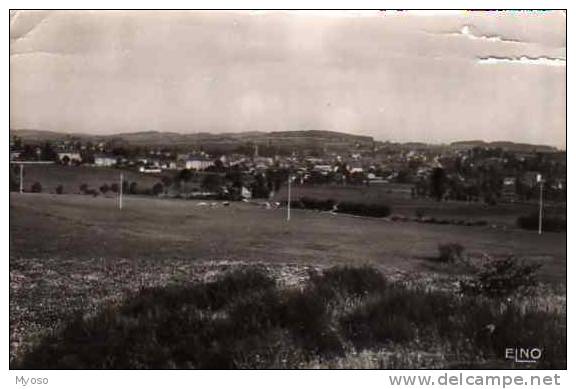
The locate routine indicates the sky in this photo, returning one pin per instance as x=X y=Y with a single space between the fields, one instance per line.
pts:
x=397 y=76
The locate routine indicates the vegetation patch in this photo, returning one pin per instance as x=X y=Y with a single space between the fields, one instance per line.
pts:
x=316 y=204
x=450 y=252
x=245 y=319
x=549 y=223
x=502 y=278
x=362 y=209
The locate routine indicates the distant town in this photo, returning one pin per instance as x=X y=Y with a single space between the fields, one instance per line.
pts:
x=256 y=165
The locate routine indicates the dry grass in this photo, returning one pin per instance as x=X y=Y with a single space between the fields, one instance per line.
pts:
x=334 y=318
x=73 y=255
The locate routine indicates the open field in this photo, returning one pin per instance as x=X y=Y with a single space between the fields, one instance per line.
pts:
x=71 y=177
x=71 y=254
x=397 y=197
x=75 y=226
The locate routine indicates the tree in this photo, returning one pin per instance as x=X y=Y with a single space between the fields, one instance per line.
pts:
x=260 y=187
x=437 y=183
x=29 y=153
x=14 y=185
x=133 y=187
x=212 y=183
x=235 y=177
x=167 y=181
x=87 y=155
x=158 y=188
x=218 y=165
x=48 y=153
x=36 y=187
x=185 y=175
x=17 y=143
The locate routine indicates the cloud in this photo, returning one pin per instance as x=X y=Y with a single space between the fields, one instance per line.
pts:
x=523 y=61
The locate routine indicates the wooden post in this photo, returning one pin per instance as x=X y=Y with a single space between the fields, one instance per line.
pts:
x=289 y=196
x=541 y=206
x=21 y=178
x=120 y=191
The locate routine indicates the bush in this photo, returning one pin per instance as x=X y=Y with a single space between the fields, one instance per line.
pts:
x=36 y=187
x=245 y=320
x=395 y=316
x=549 y=223
x=347 y=281
x=183 y=327
x=59 y=189
x=305 y=314
x=450 y=252
x=104 y=188
x=217 y=295
x=502 y=277
x=133 y=188
x=311 y=203
x=359 y=209
x=157 y=189
x=402 y=315
x=83 y=188
x=362 y=209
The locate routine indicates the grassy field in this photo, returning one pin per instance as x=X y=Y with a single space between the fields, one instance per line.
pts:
x=398 y=198
x=71 y=177
x=73 y=254
x=75 y=226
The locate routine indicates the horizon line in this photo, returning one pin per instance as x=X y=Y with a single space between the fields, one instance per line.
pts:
x=559 y=148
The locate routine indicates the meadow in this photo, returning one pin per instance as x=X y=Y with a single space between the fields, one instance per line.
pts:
x=398 y=198
x=76 y=257
x=71 y=177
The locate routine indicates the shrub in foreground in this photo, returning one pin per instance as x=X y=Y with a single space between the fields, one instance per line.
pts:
x=219 y=324
x=501 y=277
x=245 y=320
x=450 y=252
x=346 y=281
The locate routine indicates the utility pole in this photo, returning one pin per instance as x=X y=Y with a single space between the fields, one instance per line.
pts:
x=21 y=178
x=289 y=196
x=541 y=204
x=120 y=191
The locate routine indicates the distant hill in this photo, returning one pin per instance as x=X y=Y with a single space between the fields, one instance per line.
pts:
x=155 y=138
x=505 y=145
x=292 y=139
x=331 y=135
x=43 y=136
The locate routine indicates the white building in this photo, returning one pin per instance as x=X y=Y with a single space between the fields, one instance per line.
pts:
x=144 y=169
x=198 y=163
x=104 y=160
x=69 y=157
x=246 y=193
x=323 y=169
